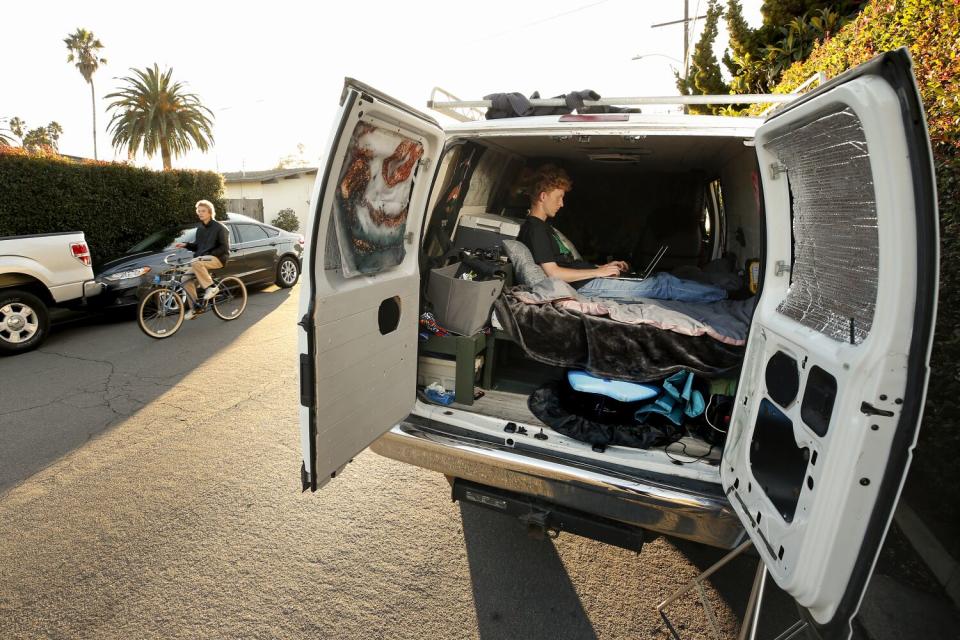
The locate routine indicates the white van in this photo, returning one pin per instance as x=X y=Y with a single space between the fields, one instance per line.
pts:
x=833 y=193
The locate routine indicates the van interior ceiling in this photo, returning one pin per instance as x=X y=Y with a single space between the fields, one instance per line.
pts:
x=699 y=195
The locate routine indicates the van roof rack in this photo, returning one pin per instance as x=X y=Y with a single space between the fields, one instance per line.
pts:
x=469 y=110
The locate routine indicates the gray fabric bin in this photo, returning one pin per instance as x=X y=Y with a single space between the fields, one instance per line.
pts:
x=461 y=306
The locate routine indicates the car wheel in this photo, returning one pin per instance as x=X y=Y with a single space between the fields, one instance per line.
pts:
x=24 y=321
x=288 y=272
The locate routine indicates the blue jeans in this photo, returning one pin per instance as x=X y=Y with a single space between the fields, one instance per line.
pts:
x=660 y=286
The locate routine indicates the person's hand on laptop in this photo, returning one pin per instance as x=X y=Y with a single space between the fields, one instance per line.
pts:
x=609 y=270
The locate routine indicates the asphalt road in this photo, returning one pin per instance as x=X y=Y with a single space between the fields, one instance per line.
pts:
x=150 y=489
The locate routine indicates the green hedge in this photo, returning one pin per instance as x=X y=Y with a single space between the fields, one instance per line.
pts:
x=930 y=29
x=115 y=205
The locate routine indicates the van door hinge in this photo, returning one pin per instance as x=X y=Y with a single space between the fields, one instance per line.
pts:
x=776 y=168
x=425 y=163
x=306 y=380
x=781 y=268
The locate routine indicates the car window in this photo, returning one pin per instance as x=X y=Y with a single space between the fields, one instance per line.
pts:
x=273 y=233
x=251 y=232
x=164 y=240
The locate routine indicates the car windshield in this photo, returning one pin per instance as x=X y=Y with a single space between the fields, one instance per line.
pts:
x=164 y=240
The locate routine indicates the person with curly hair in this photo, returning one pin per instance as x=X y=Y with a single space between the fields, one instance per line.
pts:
x=559 y=259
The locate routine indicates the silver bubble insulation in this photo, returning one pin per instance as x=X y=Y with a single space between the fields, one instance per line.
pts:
x=833 y=287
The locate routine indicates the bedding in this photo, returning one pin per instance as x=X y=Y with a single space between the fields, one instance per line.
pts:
x=639 y=342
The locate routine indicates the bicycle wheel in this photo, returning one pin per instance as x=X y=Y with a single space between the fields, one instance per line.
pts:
x=231 y=300
x=160 y=313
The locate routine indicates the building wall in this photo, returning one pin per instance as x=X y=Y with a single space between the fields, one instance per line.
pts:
x=293 y=193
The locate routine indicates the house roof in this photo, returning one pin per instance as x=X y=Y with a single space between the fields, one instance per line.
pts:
x=269 y=176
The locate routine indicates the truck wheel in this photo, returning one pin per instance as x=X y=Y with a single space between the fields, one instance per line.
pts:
x=24 y=321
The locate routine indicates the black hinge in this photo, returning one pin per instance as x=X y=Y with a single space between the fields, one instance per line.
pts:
x=305 y=480
x=306 y=380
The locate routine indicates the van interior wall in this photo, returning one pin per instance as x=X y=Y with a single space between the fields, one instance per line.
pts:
x=628 y=213
x=740 y=185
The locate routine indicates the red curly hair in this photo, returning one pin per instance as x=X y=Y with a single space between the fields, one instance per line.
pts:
x=547 y=178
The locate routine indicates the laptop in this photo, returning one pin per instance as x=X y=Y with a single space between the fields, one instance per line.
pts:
x=637 y=277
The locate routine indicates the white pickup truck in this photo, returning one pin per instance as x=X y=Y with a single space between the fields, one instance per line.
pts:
x=37 y=272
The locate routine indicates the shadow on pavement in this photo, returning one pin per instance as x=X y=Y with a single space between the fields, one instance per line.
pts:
x=520 y=587
x=97 y=370
x=733 y=583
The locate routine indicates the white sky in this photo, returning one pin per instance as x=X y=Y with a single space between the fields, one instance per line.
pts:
x=272 y=71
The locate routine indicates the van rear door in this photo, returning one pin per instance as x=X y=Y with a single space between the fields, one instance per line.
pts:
x=359 y=310
x=835 y=375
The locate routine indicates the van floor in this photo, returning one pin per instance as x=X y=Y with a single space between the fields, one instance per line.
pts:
x=512 y=407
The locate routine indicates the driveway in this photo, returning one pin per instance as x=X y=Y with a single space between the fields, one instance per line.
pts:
x=152 y=490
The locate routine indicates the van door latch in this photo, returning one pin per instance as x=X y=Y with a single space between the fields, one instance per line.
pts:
x=776 y=168
x=868 y=409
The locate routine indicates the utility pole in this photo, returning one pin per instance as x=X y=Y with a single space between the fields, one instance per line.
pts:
x=686 y=32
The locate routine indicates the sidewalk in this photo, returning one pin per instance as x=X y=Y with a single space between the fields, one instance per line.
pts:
x=915 y=589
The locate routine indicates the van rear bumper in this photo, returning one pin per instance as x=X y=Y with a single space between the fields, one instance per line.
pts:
x=699 y=514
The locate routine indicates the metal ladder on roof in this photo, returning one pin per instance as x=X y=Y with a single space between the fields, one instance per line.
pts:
x=470 y=110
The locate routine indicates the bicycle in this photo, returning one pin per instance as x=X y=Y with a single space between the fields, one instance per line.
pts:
x=160 y=312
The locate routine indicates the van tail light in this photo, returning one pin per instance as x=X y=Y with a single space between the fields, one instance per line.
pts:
x=81 y=252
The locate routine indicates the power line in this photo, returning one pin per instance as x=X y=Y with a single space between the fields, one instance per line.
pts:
x=540 y=21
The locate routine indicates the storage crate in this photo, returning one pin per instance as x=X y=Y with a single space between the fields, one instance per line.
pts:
x=461 y=306
x=443 y=371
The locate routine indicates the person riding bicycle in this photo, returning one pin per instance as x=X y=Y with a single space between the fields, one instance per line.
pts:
x=211 y=247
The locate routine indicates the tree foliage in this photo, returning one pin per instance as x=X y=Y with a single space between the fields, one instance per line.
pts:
x=153 y=113
x=84 y=50
x=756 y=58
x=703 y=77
x=114 y=204
x=38 y=139
x=287 y=220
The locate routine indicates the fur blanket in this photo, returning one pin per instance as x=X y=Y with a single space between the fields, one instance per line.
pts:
x=639 y=342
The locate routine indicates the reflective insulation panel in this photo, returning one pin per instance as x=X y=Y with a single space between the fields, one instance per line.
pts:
x=836 y=255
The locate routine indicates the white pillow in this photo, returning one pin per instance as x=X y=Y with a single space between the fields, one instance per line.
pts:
x=525 y=269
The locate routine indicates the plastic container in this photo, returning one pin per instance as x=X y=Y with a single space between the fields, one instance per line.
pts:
x=461 y=306
x=443 y=371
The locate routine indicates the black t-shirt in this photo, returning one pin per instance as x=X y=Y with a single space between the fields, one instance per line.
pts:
x=546 y=246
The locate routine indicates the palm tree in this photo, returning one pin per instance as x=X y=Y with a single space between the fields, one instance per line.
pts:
x=84 y=47
x=152 y=112
x=6 y=140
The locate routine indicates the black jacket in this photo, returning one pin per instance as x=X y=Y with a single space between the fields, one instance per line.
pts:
x=213 y=239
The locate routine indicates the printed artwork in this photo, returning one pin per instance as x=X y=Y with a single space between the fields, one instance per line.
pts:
x=372 y=199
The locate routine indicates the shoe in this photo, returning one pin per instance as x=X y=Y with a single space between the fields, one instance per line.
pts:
x=189 y=314
x=209 y=293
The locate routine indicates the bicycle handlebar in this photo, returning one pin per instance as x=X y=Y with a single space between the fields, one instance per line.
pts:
x=176 y=263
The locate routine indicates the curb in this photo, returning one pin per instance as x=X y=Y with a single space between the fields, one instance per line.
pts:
x=941 y=563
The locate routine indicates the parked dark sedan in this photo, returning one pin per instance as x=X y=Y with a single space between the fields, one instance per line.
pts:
x=260 y=254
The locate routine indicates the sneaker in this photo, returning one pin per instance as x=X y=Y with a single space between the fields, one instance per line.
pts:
x=209 y=293
x=189 y=314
